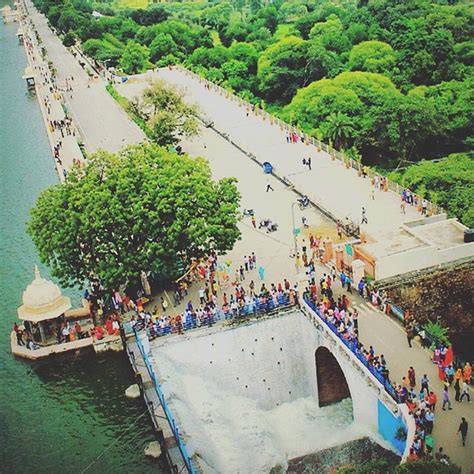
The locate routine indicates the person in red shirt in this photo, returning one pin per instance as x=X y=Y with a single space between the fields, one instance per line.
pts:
x=78 y=330
x=99 y=332
x=431 y=399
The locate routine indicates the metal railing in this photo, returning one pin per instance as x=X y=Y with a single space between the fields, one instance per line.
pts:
x=169 y=416
x=353 y=346
x=252 y=308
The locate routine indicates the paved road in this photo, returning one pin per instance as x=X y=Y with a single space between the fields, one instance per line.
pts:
x=329 y=182
x=103 y=124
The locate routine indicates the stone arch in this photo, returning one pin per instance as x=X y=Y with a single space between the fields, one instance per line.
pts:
x=331 y=381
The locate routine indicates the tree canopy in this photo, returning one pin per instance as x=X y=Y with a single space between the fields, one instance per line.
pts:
x=142 y=209
x=310 y=63
x=166 y=114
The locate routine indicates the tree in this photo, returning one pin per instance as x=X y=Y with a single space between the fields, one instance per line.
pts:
x=217 y=16
x=152 y=15
x=245 y=53
x=143 y=209
x=208 y=58
x=339 y=128
x=281 y=68
x=69 y=39
x=135 y=58
x=448 y=183
x=166 y=113
x=322 y=62
x=331 y=35
x=398 y=130
x=372 y=56
x=161 y=46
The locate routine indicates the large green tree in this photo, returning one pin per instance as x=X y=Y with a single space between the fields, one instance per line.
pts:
x=372 y=56
x=166 y=113
x=281 y=68
x=135 y=58
x=448 y=182
x=142 y=209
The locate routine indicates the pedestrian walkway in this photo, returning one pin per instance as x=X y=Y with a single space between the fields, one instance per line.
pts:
x=63 y=139
x=395 y=239
x=102 y=122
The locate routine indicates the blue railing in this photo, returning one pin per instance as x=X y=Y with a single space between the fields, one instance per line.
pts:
x=169 y=416
x=253 y=308
x=354 y=348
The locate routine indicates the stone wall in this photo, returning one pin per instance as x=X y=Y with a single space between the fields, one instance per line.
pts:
x=445 y=292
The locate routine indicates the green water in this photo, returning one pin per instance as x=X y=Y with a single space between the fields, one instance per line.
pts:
x=57 y=416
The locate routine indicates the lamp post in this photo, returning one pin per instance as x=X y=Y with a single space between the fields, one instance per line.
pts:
x=294 y=235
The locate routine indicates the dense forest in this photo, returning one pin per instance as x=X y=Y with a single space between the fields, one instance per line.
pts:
x=390 y=81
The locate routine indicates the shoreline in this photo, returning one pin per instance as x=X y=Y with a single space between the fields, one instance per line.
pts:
x=51 y=102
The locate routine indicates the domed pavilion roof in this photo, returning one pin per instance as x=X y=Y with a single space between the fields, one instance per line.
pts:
x=42 y=300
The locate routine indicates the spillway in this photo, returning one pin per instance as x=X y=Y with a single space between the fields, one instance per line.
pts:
x=246 y=396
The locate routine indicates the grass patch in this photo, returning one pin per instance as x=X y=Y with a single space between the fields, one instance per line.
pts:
x=130 y=3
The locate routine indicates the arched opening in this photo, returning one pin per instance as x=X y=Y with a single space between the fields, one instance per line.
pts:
x=332 y=384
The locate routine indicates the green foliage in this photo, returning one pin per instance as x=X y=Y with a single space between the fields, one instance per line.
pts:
x=135 y=58
x=437 y=331
x=69 y=39
x=138 y=210
x=281 y=69
x=372 y=56
x=381 y=466
x=417 y=106
x=126 y=105
x=422 y=467
x=448 y=183
x=166 y=114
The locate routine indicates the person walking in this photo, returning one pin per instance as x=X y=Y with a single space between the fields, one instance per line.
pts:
x=269 y=186
x=465 y=392
x=446 y=400
x=429 y=421
x=349 y=284
x=463 y=427
x=424 y=384
x=254 y=221
x=308 y=163
x=457 y=389
x=412 y=377
x=364 y=216
x=410 y=334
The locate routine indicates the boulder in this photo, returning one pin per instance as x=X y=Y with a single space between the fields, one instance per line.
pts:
x=133 y=391
x=153 y=450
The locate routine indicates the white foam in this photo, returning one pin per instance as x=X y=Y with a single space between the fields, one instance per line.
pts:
x=238 y=429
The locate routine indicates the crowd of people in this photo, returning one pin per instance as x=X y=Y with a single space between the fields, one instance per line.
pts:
x=222 y=295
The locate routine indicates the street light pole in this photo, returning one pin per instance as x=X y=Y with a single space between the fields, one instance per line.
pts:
x=294 y=235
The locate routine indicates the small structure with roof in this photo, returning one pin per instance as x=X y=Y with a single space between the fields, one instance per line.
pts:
x=29 y=77
x=20 y=35
x=50 y=326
